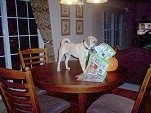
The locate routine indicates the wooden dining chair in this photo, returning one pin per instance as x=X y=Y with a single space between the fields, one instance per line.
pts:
x=33 y=57
x=112 y=103
x=18 y=93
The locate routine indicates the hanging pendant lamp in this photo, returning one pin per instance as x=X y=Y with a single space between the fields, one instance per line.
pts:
x=96 y=1
x=80 y=2
x=69 y=2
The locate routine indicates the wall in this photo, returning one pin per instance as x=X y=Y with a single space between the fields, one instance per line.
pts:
x=143 y=9
x=127 y=8
x=55 y=18
x=133 y=13
x=92 y=21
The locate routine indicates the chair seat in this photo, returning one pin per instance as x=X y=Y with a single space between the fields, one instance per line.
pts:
x=40 y=91
x=19 y=95
x=49 y=104
x=111 y=103
x=108 y=104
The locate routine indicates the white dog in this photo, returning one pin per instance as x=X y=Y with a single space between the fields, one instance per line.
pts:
x=78 y=50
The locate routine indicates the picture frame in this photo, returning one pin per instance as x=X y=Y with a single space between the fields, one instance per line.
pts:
x=65 y=27
x=79 y=27
x=79 y=11
x=65 y=10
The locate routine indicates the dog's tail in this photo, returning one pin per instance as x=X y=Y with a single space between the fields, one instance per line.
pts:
x=65 y=40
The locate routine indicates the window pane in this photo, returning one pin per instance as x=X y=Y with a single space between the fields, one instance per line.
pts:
x=1 y=47
x=13 y=44
x=21 y=9
x=1 y=33
x=34 y=41
x=30 y=12
x=0 y=8
x=107 y=37
x=112 y=29
x=109 y=22
x=11 y=9
x=24 y=43
x=33 y=27
x=116 y=37
x=15 y=62
x=2 y=62
x=23 y=26
x=22 y=30
x=105 y=24
x=12 y=26
x=117 y=21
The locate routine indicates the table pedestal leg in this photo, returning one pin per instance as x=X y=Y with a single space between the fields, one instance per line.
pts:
x=82 y=102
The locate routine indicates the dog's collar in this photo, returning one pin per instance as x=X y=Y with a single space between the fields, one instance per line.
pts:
x=85 y=46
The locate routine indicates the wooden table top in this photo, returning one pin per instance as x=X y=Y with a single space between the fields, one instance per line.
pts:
x=47 y=77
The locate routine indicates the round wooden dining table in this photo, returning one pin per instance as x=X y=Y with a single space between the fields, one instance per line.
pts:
x=65 y=81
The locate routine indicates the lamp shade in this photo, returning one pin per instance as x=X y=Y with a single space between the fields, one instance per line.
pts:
x=113 y=64
x=69 y=2
x=96 y=1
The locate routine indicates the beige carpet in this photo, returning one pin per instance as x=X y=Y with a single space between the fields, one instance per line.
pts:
x=2 y=107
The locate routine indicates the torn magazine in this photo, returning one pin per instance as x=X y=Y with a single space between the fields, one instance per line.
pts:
x=97 y=64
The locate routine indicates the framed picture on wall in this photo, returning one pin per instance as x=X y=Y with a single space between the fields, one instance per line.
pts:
x=79 y=11
x=79 y=27
x=65 y=27
x=65 y=10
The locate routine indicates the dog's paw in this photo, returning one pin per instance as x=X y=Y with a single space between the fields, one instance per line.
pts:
x=58 y=70
x=84 y=71
x=68 y=68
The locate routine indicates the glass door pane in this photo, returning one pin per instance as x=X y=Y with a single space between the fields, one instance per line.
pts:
x=112 y=27
x=24 y=27
x=21 y=31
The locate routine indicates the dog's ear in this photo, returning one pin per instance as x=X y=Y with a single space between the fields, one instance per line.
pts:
x=87 y=40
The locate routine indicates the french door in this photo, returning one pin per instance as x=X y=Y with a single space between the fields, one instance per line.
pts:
x=112 y=27
x=17 y=30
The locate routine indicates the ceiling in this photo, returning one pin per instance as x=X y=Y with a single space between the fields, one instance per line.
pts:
x=142 y=0
x=138 y=1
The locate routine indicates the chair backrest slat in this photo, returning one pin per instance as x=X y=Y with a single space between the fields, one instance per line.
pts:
x=33 y=57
